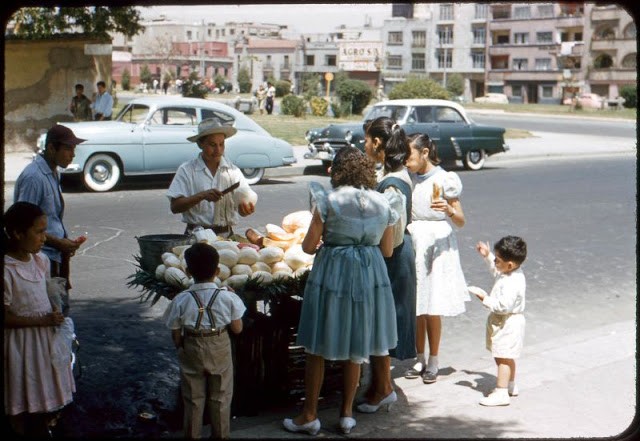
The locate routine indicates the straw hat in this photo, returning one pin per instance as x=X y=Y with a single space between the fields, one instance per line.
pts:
x=212 y=126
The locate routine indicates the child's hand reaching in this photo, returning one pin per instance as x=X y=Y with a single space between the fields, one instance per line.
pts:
x=478 y=292
x=483 y=248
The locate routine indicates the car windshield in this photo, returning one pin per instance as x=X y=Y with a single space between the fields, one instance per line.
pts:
x=133 y=113
x=395 y=112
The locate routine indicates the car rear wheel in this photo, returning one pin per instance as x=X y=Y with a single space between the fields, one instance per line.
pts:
x=252 y=175
x=101 y=173
x=474 y=159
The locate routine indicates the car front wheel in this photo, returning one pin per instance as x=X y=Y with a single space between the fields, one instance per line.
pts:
x=474 y=159
x=101 y=173
x=252 y=175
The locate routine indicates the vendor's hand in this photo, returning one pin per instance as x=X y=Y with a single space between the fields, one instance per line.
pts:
x=483 y=248
x=55 y=318
x=245 y=209
x=212 y=195
x=67 y=246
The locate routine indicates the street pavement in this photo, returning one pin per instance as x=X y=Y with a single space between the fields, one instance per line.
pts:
x=580 y=385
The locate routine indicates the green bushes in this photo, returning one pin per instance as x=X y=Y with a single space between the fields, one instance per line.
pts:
x=283 y=88
x=244 y=80
x=293 y=105
x=318 y=106
x=193 y=87
x=630 y=95
x=126 y=80
x=416 y=87
x=355 y=93
x=455 y=84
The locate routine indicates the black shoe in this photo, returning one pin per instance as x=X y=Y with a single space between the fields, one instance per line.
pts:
x=413 y=373
x=429 y=377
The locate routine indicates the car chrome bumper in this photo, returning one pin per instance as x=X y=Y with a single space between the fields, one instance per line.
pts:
x=288 y=160
x=506 y=147
x=71 y=168
x=324 y=155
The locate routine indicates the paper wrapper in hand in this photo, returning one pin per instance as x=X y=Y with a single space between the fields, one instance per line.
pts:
x=437 y=192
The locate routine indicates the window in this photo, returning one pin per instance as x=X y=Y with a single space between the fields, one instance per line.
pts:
x=630 y=31
x=477 y=58
x=521 y=38
x=578 y=36
x=224 y=118
x=629 y=61
x=482 y=10
x=516 y=91
x=444 y=58
x=501 y=12
x=547 y=91
x=543 y=63
x=520 y=64
x=189 y=35
x=310 y=60
x=446 y=11
x=448 y=115
x=479 y=34
x=544 y=37
x=419 y=38
x=394 y=38
x=286 y=65
x=394 y=62
x=445 y=34
x=267 y=63
x=522 y=12
x=330 y=60
x=603 y=61
x=545 y=11
x=173 y=117
x=417 y=62
x=424 y=114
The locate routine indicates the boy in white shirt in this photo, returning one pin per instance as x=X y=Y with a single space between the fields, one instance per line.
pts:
x=505 y=324
x=199 y=319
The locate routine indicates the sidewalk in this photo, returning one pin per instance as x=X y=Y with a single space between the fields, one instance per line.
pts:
x=581 y=385
x=542 y=144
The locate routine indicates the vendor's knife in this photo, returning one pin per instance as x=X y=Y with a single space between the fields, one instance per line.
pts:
x=230 y=189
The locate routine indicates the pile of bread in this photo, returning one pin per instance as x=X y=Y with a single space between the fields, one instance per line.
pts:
x=277 y=255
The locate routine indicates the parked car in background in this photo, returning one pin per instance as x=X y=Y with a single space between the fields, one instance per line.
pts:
x=493 y=98
x=456 y=136
x=587 y=100
x=149 y=137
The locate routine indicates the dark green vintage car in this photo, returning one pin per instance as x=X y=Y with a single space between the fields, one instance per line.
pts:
x=456 y=136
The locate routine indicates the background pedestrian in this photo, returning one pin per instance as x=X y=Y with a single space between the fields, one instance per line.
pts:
x=80 y=105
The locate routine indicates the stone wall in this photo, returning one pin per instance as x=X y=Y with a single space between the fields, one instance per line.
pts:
x=39 y=82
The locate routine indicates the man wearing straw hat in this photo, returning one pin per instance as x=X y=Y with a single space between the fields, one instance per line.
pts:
x=198 y=188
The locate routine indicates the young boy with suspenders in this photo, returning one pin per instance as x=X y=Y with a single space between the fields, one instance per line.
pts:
x=200 y=334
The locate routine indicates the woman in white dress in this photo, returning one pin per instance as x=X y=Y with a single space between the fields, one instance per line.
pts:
x=441 y=287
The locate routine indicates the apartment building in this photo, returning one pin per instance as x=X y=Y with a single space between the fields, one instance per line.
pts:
x=437 y=40
x=265 y=58
x=546 y=52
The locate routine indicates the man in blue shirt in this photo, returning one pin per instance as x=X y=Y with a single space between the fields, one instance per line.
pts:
x=103 y=104
x=39 y=183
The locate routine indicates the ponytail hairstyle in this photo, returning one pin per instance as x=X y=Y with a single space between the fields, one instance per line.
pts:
x=18 y=219
x=394 y=142
x=421 y=141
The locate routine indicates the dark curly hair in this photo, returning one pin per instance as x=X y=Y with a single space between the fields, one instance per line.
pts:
x=352 y=167
x=393 y=139
x=511 y=248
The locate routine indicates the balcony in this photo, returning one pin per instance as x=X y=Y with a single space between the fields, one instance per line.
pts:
x=612 y=75
x=605 y=45
x=568 y=21
x=603 y=14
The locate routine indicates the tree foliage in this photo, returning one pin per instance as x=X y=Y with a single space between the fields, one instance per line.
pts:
x=193 y=87
x=97 y=21
x=244 y=80
x=455 y=84
x=356 y=93
x=293 y=105
x=416 y=87
x=145 y=75
x=310 y=83
x=630 y=95
x=126 y=79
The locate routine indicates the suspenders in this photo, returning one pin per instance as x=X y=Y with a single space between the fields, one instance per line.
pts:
x=202 y=309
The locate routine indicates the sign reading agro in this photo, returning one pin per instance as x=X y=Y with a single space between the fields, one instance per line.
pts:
x=360 y=56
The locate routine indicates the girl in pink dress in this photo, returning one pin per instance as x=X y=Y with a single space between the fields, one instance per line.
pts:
x=34 y=387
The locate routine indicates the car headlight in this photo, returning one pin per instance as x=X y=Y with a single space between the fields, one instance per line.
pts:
x=348 y=136
x=307 y=135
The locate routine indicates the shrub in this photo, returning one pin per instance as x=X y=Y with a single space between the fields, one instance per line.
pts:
x=193 y=87
x=355 y=92
x=145 y=75
x=244 y=80
x=416 y=87
x=455 y=84
x=126 y=80
x=630 y=95
x=293 y=105
x=319 y=106
x=283 y=88
x=310 y=83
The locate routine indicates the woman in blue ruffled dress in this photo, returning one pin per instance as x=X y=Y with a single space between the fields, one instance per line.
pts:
x=348 y=310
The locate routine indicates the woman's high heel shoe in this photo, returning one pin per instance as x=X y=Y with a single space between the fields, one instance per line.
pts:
x=312 y=427
x=372 y=408
x=346 y=424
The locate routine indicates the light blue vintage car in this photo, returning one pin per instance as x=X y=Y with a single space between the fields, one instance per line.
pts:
x=149 y=137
